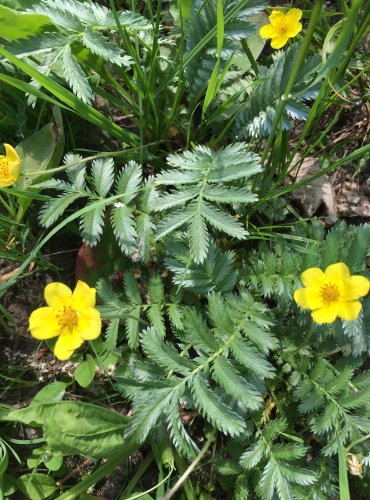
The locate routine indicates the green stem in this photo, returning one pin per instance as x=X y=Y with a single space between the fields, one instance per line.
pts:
x=358 y=441
x=105 y=154
x=249 y=54
x=100 y=473
x=316 y=12
x=137 y=476
x=191 y=467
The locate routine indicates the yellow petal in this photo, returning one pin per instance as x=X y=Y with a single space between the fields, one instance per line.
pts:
x=326 y=314
x=89 y=324
x=349 y=310
x=84 y=297
x=308 y=298
x=7 y=181
x=43 y=323
x=11 y=154
x=66 y=344
x=279 y=41
x=355 y=287
x=14 y=170
x=267 y=31
x=337 y=272
x=57 y=294
x=293 y=16
x=294 y=29
x=276 y=17
x=312 y=277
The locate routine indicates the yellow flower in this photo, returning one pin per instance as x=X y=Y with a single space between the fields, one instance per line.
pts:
x=10 y=165
x=282 y=26
x=331 y=294
x=70 y=316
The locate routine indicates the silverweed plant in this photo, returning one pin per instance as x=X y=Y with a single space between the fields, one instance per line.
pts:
x=217 y=340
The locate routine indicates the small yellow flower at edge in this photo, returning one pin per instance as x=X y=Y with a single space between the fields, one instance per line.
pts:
x=282 y=27
x=71 y=317
x=331 y=294
x=10 y=165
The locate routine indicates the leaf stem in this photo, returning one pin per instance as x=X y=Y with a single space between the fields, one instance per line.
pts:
x=191 y=467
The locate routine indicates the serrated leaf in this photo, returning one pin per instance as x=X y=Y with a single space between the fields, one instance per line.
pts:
x=253 y=455
x=111 y=334
x=131 y=288
x=197 y=332
x=129 y=181
x=146 y=415
x=234 y=384
x=215 y=410
x=223 y=221
x=164 y=354
x=103 y=175
x=172 y=222
x=75 y=76
x=198 y=236
x=170 y=200
x=180 y=438
x=145 y=235
x=63 y=13
x=53 y=209
x=123 y=224
x=132 y=327
x=156 y=318
x=228 y=194
x=91 y=225
x=38 y=44
x=102 y=47
x=252 y=359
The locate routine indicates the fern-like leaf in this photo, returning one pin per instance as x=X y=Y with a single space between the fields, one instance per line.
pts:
x=91 y=225
x=100 y=46
x=103 y=175
x=75 y=76
x=214 y=410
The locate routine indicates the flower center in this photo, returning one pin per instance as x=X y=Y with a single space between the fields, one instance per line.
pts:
x=68 y=319
x=330 y=293
x=282 y=27
x=4 y=168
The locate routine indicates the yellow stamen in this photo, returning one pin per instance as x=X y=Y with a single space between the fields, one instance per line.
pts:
x=68 y=319
x=329 y=293
x=4 y=168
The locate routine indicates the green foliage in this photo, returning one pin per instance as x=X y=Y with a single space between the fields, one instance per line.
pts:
x=85 y=23
x=202 y=343
x=121 y=212
x=202 y=20
x=244 y=333
x=257 y=115
x=203 y=180
x=89 y=430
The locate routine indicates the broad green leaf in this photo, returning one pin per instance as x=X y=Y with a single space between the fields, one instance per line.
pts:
x=36 y=486
x=84 y=373
x=76 y=428
x=15 y=25
x=40 y=150
x=52 y=392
